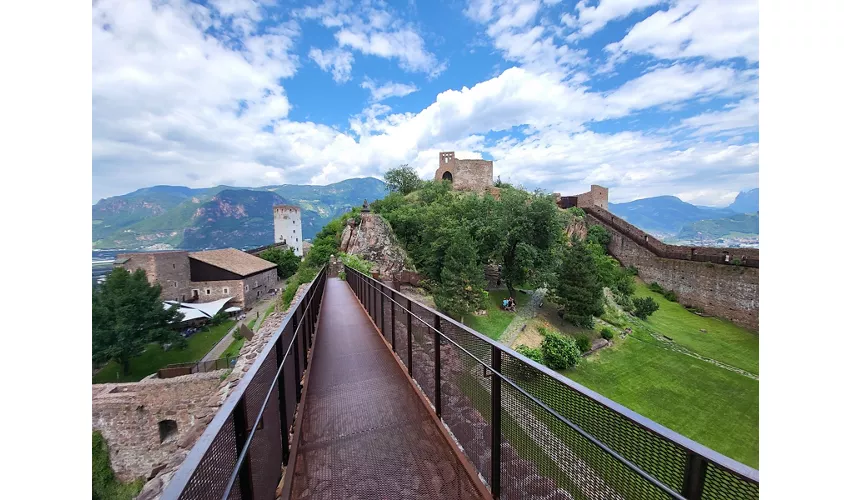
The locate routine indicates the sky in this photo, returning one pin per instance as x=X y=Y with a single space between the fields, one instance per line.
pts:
x=645 y=97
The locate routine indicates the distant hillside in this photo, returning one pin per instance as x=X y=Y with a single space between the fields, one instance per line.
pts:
x=664 y=215
x=737 y=226
x=222 y=216
x=747 y=202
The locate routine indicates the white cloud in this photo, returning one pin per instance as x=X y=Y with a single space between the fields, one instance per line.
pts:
x=741 y=117
x=336 y=61
x=387 y=90
x=715 y=29
x=590 y=19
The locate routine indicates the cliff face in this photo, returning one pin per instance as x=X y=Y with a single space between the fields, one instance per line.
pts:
x=577 y=228
x=373 y=240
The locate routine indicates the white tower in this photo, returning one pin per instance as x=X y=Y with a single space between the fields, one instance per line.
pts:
x=287 y=227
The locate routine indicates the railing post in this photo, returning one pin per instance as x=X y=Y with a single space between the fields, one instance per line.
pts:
x=409 y=339
x=296 y=355
x=392 y=318
x=496 y=423
x=437 y=398
x=305 y=325
x=383 y=326
x=240 y=425
x=281 y=398
x=694 y=476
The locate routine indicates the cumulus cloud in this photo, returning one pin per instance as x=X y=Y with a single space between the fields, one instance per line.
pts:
x=715 y=29
x=387 y=90
x=175 y=100
x=336 y=61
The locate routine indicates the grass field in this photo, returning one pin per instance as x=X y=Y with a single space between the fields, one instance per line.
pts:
x=496 y=320
x=155 y=358
x=722 y=340
x=233 y=349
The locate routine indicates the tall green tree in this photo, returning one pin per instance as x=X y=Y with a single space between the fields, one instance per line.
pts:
x=528 y=228
x=127 y=315
x=461 y=288
x=286 y=260
x=578 y=287
x=402 y=180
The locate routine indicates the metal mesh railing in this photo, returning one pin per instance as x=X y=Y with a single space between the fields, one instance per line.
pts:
x=555 y=438
x=241 y=452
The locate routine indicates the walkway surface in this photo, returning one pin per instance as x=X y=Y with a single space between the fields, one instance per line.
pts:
x=366 y=433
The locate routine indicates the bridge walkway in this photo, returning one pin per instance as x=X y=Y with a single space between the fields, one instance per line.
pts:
x=365 y=431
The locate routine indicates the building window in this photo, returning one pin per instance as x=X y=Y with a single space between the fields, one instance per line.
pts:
x=175 y=284
x=293 y=231
x=167 y=430
x=173 y=266
x=296 y=240
x=226 y=291
x=208 y=291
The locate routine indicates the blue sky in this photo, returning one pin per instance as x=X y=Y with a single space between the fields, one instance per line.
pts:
x=647 y=97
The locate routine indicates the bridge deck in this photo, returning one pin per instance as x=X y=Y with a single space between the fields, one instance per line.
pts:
x=365 y=432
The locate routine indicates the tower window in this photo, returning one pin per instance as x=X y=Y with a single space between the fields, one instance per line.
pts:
x=167 y=430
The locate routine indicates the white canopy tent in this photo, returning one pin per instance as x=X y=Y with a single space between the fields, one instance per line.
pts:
x=199 y=311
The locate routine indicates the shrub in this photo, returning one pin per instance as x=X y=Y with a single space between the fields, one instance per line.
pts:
x=105 y=486
x=671 y=296
x=632 y=270
x=559 y=352
x=645 y=306
x=583 y=343
x=236 y=335
x=736 y=262
x=342 y=275
x=530 y=353
x=655 y=287
x=356 y=263
x=625 y=302
x=606 y=334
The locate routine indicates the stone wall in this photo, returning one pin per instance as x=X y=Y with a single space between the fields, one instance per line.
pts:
x=262 y=283
x=466 y=175
x=132 y=418
x=169 y=269
x=596 y=197
x=235 y=289
x=722 y=290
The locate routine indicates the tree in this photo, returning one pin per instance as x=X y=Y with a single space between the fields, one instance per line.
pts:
x=644 y=307
x=461 y=288
x=597 y=234
x=286 y=260
x=559 y=352
x=402 y=180
x=578 y=287
x=528 y=227
x=127 y=315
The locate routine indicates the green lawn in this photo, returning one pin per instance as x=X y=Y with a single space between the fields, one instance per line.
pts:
x=723 y=340
x=233 y=349
x=155 y=358
x=711 y=405
x=496 y=320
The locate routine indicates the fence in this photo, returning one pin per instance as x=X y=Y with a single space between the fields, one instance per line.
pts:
x=530 y=431
x=211 y=365
x=240 y=454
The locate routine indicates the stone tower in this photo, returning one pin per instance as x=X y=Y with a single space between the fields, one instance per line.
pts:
x=465 y=175
x=287 y=227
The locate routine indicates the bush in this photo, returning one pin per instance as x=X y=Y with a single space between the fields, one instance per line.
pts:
x=236 y=335
x=645 y=306
x=356 y=263
x=559 y=352
x=583 y=343
x=105 y=486
x=625 y=302
x=671 y=296
x=655 y=287
x=342 y=275
x=632 y=270
x=530 y=353
x=606 y=334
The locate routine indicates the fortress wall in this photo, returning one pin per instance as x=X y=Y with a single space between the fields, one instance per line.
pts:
x=722 y=290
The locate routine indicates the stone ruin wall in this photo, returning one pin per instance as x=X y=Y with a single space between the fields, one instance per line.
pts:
x=129 y=416
x=722 y=290
x=467 y=175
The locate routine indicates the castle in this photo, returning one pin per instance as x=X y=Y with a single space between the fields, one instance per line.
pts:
x=465 y=175
x=287 y=227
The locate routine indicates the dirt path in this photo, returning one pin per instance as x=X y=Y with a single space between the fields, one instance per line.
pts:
x=523 y=315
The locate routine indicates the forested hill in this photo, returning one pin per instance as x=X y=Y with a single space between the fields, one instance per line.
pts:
x=162 y=217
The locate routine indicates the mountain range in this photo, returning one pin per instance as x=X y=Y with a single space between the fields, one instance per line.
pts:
x=163 y=217
x=669 y=217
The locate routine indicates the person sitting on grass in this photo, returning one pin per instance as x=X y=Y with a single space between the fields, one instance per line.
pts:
x=505 y=304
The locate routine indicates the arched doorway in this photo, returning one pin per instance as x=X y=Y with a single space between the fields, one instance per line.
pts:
x=447 y=176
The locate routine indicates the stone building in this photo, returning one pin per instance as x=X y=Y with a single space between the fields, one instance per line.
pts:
x=596 y=197
x=465 y=175
x=287 y=227
x=206 y=276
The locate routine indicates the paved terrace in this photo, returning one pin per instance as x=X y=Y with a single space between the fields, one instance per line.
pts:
x=366 y=433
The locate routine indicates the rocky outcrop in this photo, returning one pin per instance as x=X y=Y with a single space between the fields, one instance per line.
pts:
x=577 y=227
x=372 y=239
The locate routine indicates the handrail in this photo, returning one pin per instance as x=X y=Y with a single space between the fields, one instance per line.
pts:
x=190 y=464
x=690 y=446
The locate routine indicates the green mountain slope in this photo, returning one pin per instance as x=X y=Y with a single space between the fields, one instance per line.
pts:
x=736 y=226
x=664 y=214
x=222 y=216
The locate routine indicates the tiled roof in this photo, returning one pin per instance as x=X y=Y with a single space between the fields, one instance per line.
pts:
x=233 y=260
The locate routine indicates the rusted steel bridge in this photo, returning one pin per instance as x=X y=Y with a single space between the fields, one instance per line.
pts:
x=364 y=393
